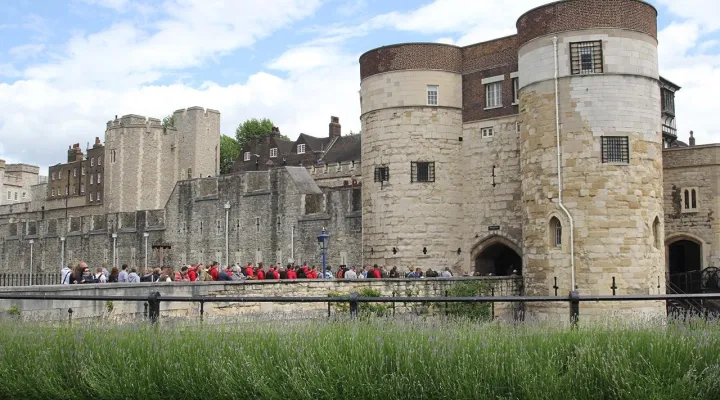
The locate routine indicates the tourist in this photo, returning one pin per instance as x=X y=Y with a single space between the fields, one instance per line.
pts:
x=202 y=274
x=447 y=273
x=192 y=272
x=383 y=272
x=249 y=271
x=183 y=275
x=66 y=275
x=87 y=276
x=350 y=274
x=105 y=270
x=419 y=273
x=283 y=272
x=76 y=276
x=225 y=275
x=362 y=274
x=300 y=273
x=394 y=273
x=291 y=273
x=341 y=272
x=270 y=274
x=156 y=273
x=214 y=272
x=260 y=273
x=313 y=274
x=99 y=276
x=374 y=273
x=122 y=277
x=114 y=275
x=146 y=276
x=411 y=273
x=237 y=274
x=431 y=274
x=133 y=277
x=166 y=275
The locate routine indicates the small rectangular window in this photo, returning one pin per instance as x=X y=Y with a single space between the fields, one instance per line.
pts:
x=432 y=95
x=493 y=95
x=422 y=171
x=92 y=179
x=516 y=90
x=382 y=174
x=99 y=179
x=16 y=196
x=92 y=162
x=82 y=188
x=60 y=174
x=52 y=176
x=9 y=195
x=98 y=196
x=301 y=149
x=24 y=195
x=615 y=149
x=67 y=190
x=99 y=160
x=74 y=172
x=273 y=152
x=246 y=157
x=82 y=170
x=53 y=192
x=586 y=57
x=487 y=132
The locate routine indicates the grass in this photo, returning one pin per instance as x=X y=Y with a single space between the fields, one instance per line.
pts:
x=364 y=359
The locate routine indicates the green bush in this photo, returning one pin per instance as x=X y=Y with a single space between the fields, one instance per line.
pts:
x=474 y=311
x=366 y=309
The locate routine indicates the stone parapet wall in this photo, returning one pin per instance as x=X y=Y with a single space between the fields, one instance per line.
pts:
x=123 y=310
x=409 y=88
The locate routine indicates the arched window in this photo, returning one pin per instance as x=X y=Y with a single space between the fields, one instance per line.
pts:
x=687 y=199
x=693 y=201
x=656 y=233
x=555 y=232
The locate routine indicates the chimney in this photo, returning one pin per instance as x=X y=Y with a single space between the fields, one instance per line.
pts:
x=97 y=142
x=691 y=142
x=334 y=127
x=75 y=153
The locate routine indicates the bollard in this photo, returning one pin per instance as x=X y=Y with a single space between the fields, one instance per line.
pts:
x=202 y=310
x=145 y=313
x=354 y=305
x=613 y=287
x=154 y=306
x=446 y=304
x=492 y=305
x=574 y=308
x=393 y=304
x=555 y=286
x=70 y=312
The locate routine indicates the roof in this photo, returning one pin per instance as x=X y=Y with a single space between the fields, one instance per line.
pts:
x=315 y=143
x=346 y=148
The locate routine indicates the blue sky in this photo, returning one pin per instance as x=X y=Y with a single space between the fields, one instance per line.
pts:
x=66 y=68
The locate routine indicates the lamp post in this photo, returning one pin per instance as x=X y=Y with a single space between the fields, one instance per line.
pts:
x=146 y=235
x=62 y=252
x=114 y=261
x=31 y=260
x=323 y=242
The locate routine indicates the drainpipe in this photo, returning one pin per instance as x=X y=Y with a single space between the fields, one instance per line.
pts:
x=114 y=262
x=31 y=261
x=145 y=235
x=227 y=236
x=62 y=252
x=292 y=243
x=559 y=171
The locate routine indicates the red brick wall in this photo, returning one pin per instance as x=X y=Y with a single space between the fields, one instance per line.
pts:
x=585 y=14
x=428 y=56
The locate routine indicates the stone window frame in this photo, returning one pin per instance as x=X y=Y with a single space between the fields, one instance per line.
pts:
x=74 y=172
x=99 y=178
x=428 y=176
x=487 y=132
x=688 y=199
x=301 y=148
x=92 y=161
x=515 y=78
x=273 y=152
x=246 y=156
x=615 y=149
x=555 y=232
x=433 y=95
x=382 y=174
x=53 y=192
x=92 y=179
x=586 y=58
x=493 y=82
x=656 y=232
x=99 y=161
x=82 y=188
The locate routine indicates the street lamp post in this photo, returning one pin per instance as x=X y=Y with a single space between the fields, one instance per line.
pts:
x=62 y=252
x=227 y=236
x=324 y=242
x=31 y=261
x=114 y=261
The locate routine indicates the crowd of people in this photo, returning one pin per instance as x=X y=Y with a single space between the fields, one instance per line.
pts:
x=81 y=273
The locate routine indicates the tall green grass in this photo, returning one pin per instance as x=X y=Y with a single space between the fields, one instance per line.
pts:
x=364 y=359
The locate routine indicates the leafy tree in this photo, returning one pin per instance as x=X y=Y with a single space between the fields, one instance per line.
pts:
x=229 y=152
x=168 y=121
x=253 y=128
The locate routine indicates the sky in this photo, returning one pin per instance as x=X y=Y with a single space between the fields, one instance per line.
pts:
x=67 y=67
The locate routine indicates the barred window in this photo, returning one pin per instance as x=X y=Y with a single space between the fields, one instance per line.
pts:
x=432 y=95
x=615 y=149
x=586 y=57
x=382 y=174
x=421 y=171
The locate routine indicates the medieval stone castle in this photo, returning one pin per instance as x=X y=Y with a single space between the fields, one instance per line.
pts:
x=551 y=153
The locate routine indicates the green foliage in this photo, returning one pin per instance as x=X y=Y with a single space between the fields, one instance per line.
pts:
x=364 y=359
x=168 y=121
x=109 y=306
x=475 y=311
x=366 y=309
x=254 y=128
x=13 y=311
x=229 y=152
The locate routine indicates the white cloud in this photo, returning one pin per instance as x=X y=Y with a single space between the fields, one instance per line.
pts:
x=352 y=7
x=703 y=12
x=26 y=51
x=117 y=5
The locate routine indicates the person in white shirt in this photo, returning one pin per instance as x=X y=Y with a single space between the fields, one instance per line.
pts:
x=123 y=275
x=100 y=276
x=446 y=273
x=65 y=275
x=350 y=274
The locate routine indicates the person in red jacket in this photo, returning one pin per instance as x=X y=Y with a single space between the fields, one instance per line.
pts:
x=249 y=271
x=313 y=273
x=291 y=274
x=214 y=271
x=375 y=272
x=260 y=274
x=192 y=274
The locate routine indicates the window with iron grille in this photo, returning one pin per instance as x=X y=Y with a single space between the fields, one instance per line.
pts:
x=615 y=149
x=586 y=57
x=422 y=171
x=382 y=174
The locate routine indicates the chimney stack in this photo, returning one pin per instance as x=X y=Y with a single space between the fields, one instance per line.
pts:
x=334 y=127
x=691 y=142
x=75 y=153
x=97 y=143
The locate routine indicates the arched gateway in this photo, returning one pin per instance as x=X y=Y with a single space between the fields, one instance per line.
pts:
x=497 y=256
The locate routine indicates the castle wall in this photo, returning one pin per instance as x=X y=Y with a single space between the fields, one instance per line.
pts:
x=486 y=204
x=614 y=206
x=198 y=142
x=409 y=88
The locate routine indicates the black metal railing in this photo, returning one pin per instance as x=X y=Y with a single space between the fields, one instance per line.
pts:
x=25 y=279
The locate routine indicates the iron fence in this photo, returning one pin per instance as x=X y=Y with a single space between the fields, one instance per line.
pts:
x=26 y=279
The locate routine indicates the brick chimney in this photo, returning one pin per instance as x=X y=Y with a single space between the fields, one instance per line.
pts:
x=75 y=153
x=334 y=128
x=691 y=142
x=98 y=143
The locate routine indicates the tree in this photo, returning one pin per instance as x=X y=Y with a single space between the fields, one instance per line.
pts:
x=229 y=152
x=254 y=128
x=168 y=121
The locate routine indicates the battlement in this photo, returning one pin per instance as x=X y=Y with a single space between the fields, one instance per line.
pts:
x=185 y=111
x=133 y=120
x=2 y=163
x=26 y=168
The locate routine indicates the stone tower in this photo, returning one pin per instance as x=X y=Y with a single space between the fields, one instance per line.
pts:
x=144 y=160
x=411 y=116
x=607 y=89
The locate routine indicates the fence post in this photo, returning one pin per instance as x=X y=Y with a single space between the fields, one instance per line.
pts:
x=70 y=312
x=202 y=310
x=446 y=304
x=492 y=305
x=393 y=304
x=555 y=286
x=574 y=307
x=154 y=302
x=145 y=313
x=613 y=287
x=354 y=305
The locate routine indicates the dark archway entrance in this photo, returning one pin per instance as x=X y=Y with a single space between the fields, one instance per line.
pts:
x=685 y=263
x=498 y=260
